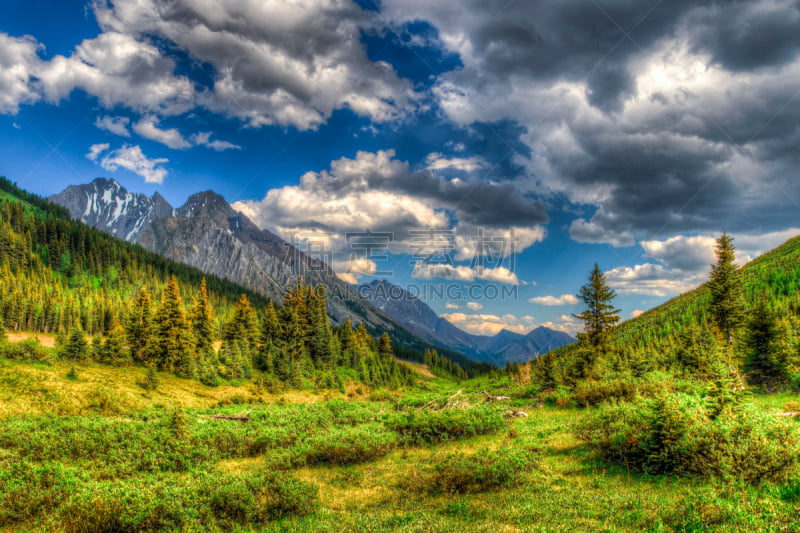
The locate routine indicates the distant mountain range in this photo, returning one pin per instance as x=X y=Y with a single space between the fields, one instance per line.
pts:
x=506 y=346
x=208 y=234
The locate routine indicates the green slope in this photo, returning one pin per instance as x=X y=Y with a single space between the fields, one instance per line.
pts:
x=774 y=276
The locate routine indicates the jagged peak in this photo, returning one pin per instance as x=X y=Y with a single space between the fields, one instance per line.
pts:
x=106 y=183
x=206 y=201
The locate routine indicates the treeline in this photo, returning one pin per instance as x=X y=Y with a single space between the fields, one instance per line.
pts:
x=743 y=326
x=295 y=344
x=59 y=276
x=445 y=364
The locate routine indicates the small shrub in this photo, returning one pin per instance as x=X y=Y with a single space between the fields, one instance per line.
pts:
x=28 y=350
x=591 y=393
x=72 y=374
x=485 y=470
x=351 y=445
x=429 y=427
x=677 y=434
x=150 y=382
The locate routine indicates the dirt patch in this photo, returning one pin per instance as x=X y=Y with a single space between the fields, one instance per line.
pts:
x=418 y=368
x=46 y=339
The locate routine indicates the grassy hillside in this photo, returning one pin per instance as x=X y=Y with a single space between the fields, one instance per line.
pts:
x=660 y=338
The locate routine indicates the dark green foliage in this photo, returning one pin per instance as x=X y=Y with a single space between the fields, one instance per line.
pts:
x=675 y=434
x=428 y=427
x=151 y=378
x=479 y=472
x=76 y=348
x=599 y=315
x=726 y=289
x=72 y=374
x=202 y=320
x=172 y=346
x=113 y=350
x=29 y=350
x=763 y=362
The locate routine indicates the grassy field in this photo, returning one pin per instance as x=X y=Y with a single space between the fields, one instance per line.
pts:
x=99 y=453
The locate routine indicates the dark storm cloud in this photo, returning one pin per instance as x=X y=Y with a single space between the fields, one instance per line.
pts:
x=688 y=123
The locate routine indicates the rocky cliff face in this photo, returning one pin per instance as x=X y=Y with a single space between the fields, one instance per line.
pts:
x=417 y=317
x=208 y=234
x=108 y=206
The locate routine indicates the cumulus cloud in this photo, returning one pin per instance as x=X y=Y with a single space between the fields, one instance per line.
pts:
x=148 y=128
x=474 y=306
x=636 y=313
x=564 y=299
x=131 y=158
x=378 y=192
x=96 y=149
x=488 y=324
x=464 y=273
x=18 y=62
x=272 y=62
x=690 y=129
x=204 y=139
x=115 y=125
x=451 y=306
x=653 y=280
x=436 y=161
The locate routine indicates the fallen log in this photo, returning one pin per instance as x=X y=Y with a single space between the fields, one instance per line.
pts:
x=516 y=414
x=790 y=414
x=244 y=416
x=490 y=398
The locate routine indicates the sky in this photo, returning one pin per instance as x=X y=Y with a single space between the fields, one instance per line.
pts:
x=505 y=146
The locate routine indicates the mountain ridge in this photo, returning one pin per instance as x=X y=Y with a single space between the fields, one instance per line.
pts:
x=504 y=347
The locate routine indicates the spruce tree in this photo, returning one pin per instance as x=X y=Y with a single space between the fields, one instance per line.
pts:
x=173 y=346
x=113 y=350
x=76 y=347
x=385 y=348
x=138 y=326
x=763 y=364
x=243 y=326
x=600 y=314
x=726 y=287
x=202 y=320
x=271 y=331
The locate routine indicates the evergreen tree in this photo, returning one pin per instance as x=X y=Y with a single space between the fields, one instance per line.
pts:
x=271 y=330
x=762 y=362
x=727 y=302
x=138 y=326
x=385 y=348
x=243 y=326
x=173 y=346
x=76 y=347
x=600 y=314
x=202 y=320
x=113 y=350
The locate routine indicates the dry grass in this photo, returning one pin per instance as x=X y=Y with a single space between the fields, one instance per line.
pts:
x=45 y=339
x=419 y=368
x=27 y=389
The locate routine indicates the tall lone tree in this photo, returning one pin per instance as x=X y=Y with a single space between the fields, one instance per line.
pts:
x=600 y=314
x=727 y=300
x=173 y=343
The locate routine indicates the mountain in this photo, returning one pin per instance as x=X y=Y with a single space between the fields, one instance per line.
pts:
x=208 y=234
x=506 y=346
x=106 y=205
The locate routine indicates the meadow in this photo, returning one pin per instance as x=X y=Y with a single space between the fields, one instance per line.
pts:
x=87 y=448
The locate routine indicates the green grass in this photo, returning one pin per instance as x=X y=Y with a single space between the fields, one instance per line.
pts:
x=161 y=461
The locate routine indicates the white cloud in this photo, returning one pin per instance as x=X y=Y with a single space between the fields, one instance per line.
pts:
x=437 y=161
x=490 y=324
x=464 y=273
x=96 y=149
x=451 y=306
x=653 y=280
x=148 y=128
x=274 y=62
x=636 y=313
x=18 y=62
x=474 y=306
x=203 y=139
x=564 y=299
x=132 y=158
x=115 y=125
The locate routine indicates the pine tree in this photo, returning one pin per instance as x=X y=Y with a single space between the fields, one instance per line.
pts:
x=600 y=314
x=385 y=348
x=113 y=350
x=243 y=326
x=76 y=347
x=271 y=330
x=138 y=326
x=173 y=346
x=726 y=287
x=202 y=320
x=763 y=364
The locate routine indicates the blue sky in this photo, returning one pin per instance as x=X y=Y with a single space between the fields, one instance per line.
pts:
x=618 y=134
